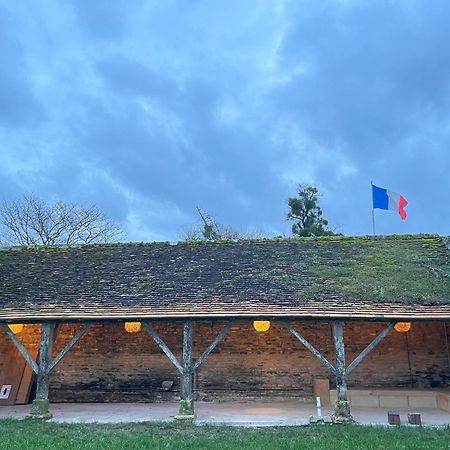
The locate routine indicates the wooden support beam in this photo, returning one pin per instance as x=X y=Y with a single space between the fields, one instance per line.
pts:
x=213 y=345
x=56 y=331
x=341 y=379
x=20 y=347
x=150 y=330
x=45 y=353
x=187 y=374
x=370 y=347
x=68 y=347
x=313 y=350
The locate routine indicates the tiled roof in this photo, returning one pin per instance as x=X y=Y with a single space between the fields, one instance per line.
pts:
x=348 y=277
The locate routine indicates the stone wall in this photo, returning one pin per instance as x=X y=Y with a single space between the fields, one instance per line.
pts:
x=109 y=364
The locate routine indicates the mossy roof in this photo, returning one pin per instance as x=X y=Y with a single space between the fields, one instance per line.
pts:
x=350 y=277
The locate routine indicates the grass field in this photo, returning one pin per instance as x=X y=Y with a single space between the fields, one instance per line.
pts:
x=28 y=434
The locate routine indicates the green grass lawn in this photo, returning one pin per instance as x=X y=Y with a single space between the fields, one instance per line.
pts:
x=29 y=434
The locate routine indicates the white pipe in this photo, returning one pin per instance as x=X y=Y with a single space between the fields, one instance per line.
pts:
x=319 y=409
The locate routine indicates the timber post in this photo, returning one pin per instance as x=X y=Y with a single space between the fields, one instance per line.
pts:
x=40 y=405
x=342 y=407
x=187 y=367
x=187 y=402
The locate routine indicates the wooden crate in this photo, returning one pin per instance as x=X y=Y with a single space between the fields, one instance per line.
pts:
x=414 y=419
x=393 y=418
x=321 y=388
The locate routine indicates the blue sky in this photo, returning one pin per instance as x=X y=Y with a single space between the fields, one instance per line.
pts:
x=148 y=109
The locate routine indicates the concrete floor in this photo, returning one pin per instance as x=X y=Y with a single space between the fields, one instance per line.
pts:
x=251 y=413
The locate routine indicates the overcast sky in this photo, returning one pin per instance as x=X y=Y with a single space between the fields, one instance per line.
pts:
x=150 y=108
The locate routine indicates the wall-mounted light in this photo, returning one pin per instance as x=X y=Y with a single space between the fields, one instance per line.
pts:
x=16 y=328
x=261 y=326
x=402 y=327
x=132 y=327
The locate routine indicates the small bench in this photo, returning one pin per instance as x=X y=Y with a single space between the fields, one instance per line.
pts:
x=398 y=398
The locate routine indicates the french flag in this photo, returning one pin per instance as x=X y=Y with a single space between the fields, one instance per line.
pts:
x=385 y=199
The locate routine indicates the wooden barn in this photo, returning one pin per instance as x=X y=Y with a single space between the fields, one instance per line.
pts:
x=354 y=320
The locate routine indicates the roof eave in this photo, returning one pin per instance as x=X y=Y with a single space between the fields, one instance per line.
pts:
x=67 y=318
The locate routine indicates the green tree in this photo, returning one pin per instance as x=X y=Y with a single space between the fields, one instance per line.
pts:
x=306 y=213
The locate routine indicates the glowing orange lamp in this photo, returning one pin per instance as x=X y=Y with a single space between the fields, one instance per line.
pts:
x=261 y=326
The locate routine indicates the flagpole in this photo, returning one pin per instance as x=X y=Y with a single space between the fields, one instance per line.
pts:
x=373 y=210
x=373 y=221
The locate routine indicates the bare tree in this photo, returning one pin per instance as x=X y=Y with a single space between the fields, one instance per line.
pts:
x=210 y=230
x=32 y=221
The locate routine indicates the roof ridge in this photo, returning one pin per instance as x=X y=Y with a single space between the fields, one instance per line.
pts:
x=283 y=239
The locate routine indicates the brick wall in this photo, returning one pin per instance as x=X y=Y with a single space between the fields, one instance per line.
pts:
x=109 y=364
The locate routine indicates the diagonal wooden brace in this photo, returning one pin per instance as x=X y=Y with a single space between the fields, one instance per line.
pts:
x=151 y=331
x=213 y=345
x=370 y=347
x=20 y=347
x=68 y=347
x=313 y=350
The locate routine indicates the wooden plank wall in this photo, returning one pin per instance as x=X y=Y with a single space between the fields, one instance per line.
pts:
x=16 y=372
x=23 y=394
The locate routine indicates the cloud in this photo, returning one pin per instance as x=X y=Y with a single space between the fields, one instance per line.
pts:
x=375 y=84
x=102 y=19
x=152 y=108
x=133 y=78
x=19 y=106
